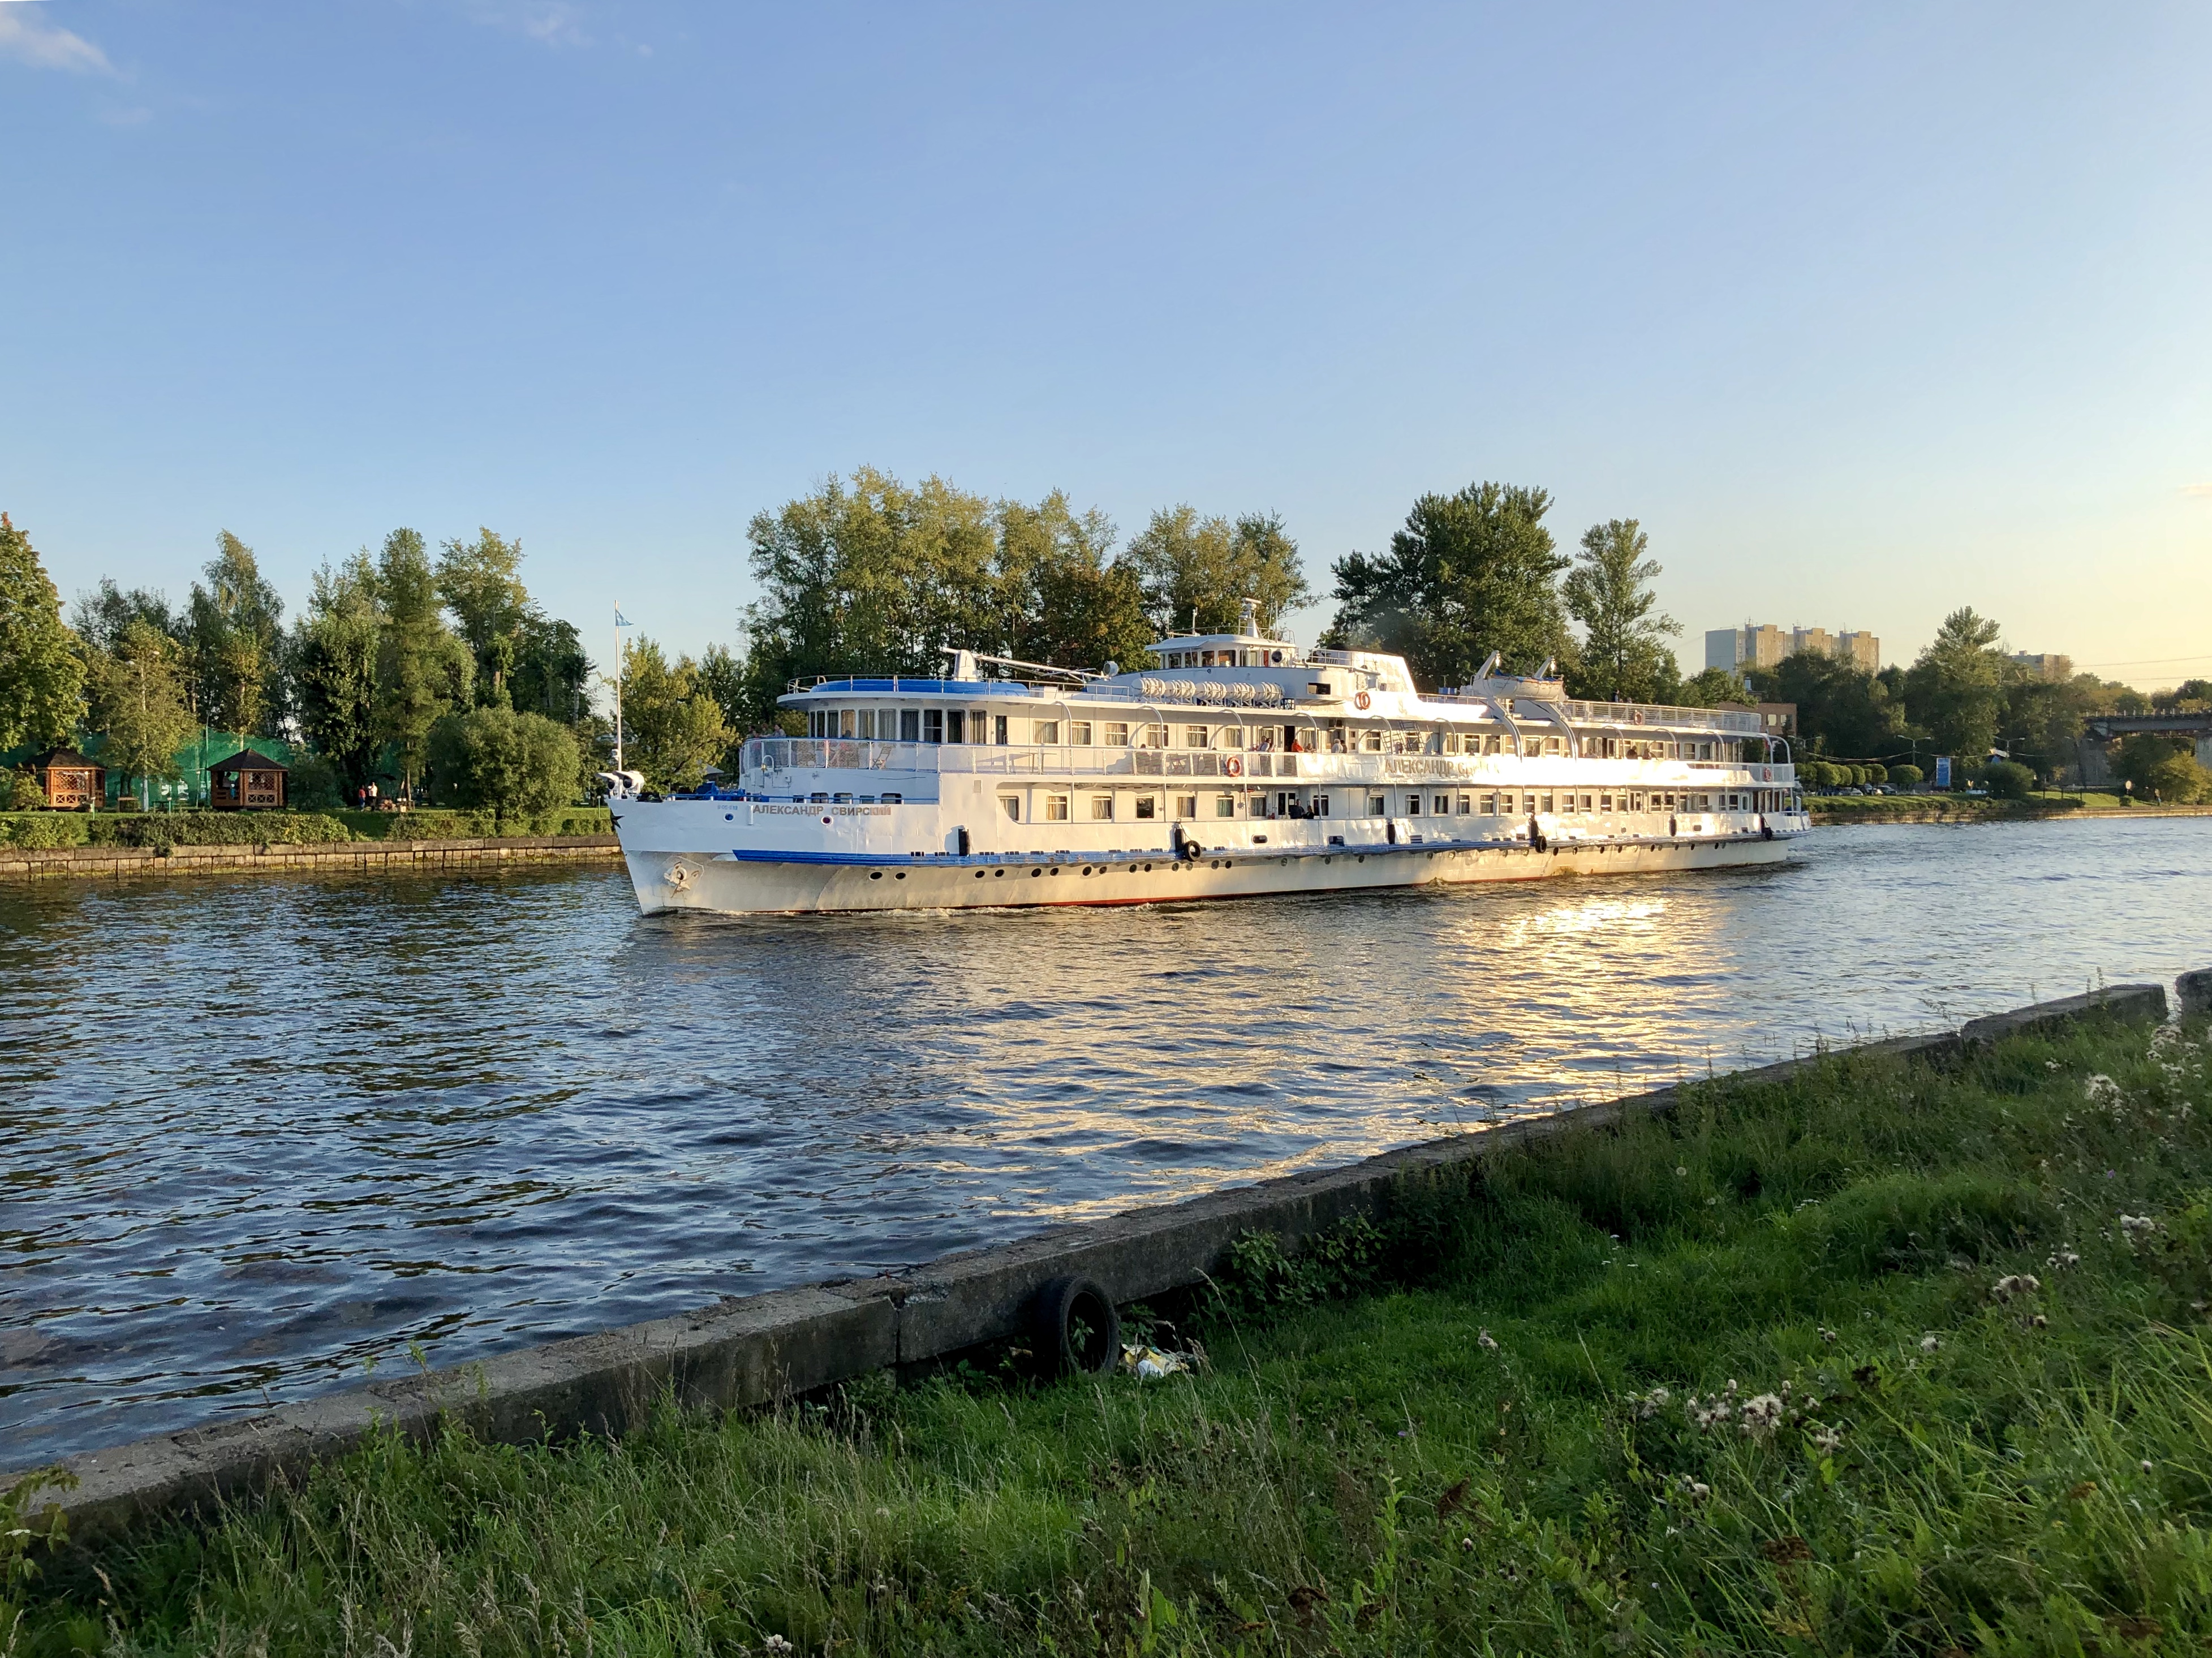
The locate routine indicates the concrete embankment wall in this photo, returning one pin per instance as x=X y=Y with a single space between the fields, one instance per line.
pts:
x=754 y=1350
x=364 y=857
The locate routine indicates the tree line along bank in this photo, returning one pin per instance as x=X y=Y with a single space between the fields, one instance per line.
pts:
x=435 y=676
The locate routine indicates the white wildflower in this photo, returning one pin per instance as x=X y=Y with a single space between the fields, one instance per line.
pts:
x=1828 y=1336
x=1828 y=1441
x=1648 y=1405
x=1708 y=1414
x=2137 y=1225
x=1760 y=1415
x=776 y=1646
x=2145 y=1467
x=1696 y=1489
x=2104 y=1093
x=2014 y=1284
x=1929 y=1344
x=1485 y=1340
x=2062 y=1260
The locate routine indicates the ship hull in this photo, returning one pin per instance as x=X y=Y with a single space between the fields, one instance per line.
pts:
x=762 y=883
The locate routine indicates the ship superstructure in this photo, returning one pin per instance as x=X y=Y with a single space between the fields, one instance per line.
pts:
x=1240 y=765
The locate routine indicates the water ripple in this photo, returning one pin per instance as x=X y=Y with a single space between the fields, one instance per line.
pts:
x=261 y=1134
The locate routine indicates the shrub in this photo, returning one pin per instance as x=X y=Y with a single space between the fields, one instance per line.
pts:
x=517 y=765
x=313 y=784
x=2008 y=779
x=19 y=791
x=1906 y=777
x=226 y=828
x=2180 y=778
x=44 y=831
x=1876 y=773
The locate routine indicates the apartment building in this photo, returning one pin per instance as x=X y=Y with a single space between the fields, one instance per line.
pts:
x=1759 y=644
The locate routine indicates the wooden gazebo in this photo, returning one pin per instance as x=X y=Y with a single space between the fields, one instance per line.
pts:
x=245 y=781
x=68 y=780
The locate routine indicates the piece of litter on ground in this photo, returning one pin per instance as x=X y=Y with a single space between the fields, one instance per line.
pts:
x=1149 y=1364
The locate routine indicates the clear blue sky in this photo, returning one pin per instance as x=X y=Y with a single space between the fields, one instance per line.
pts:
x=1866 y=311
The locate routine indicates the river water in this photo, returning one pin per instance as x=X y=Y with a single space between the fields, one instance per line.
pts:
x=259 y=1134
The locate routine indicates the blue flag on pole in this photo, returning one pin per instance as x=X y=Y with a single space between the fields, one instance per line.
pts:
x=1943 y=771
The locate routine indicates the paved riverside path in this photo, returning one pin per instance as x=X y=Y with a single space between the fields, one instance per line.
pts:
x=755 y=1350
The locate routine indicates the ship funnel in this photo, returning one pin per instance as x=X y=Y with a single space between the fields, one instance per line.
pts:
x=1248 y=620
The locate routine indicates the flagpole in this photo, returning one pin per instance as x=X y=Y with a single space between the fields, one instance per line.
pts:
x=618 y=680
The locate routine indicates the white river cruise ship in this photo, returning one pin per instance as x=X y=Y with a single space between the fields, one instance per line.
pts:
x=1241 y=767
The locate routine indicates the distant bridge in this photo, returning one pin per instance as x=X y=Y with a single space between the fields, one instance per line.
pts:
x=2107 y=727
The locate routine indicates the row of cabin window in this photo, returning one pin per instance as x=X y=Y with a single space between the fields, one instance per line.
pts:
x=1243 y=657
x=965 y=726
x=1125 y=807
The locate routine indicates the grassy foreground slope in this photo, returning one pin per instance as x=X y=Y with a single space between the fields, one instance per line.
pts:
x=1881 y=1360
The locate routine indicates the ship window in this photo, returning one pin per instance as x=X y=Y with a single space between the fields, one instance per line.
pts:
x=1194 y=736
x=1101 y=808
x=1012 y=805
x=1225 y=806
x=1605 y=802
x=909 y=726
x=932 y=724
x=865 y=726
x=999 y=729
x=845 y=722
x=956 y=725
x=1413 y=805
x=1055 y=808
x=1466 y=804
x=886 y=724
x=893 y=799
x=1441 y=805
x=1152 y=736
x=1320 y=806
x=1186 y=805
x=1148 y=805
x=1547 y=805
x=1044 y=730
x=1115 y=734
x=1377 y=806
x=1079 y=733
x=1230 y=736
x=1371 y=741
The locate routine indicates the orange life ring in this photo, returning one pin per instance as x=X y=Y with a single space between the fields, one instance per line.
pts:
x=1233 y=766
x=1361 y=699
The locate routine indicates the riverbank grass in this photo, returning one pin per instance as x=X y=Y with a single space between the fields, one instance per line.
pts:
x=1881 y=1359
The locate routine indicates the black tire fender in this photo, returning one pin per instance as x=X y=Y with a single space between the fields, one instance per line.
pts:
x=1074 y=1328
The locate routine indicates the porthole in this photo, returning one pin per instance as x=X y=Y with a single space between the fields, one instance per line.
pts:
x=875 y=875
x=729 y=817
x=979 y=874
x=901 y=876
x=1035 y=873
x=999 y=873
x=1055 y=872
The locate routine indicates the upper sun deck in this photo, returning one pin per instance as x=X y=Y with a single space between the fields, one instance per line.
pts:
x=1246 y=670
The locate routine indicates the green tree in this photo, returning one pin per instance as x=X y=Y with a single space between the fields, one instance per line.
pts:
x=1841 y=708
x=102 y=614
x=1624 y=656
x=233 y=633
x=872 y=577
x=480 y=583
x=1470 y=573
x=2147 y=761
x=1709 y=687
x=1955 y=690
x=518 y=765
x=137 y=690
x=552 y=674
x=1070 y=606
x=423 y=670
x=334 y=654
x=1195 y=573
x=41 y=676
x=2008 y=779
x=672 y=729
x=1907 y=776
